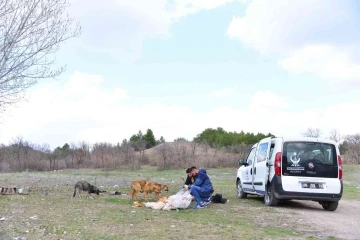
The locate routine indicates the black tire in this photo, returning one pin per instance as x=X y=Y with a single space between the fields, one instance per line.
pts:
x=330 y=205
x=269 y=198
x=240 y=191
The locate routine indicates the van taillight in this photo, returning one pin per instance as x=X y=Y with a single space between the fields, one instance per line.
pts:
x=278 y=164
x=340 y=167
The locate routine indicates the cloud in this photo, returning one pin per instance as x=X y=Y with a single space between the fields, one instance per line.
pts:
x=83 y=109
x=181 y=8
x=119 y=27
x=326 y=61
x=269 y=100
x=300 y=33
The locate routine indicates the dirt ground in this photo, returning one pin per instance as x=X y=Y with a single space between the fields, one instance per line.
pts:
x=343 y=223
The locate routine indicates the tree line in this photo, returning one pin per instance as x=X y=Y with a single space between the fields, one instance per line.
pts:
x=220 y=138
x=22 y=155
x=210 y=148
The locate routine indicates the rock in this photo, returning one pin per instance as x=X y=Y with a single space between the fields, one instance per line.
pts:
x=115 y=193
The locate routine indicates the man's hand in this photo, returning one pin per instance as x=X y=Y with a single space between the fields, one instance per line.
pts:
x=186 y=187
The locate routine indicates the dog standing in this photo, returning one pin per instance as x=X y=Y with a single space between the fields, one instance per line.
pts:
x=146 y=187
x=85 y=186
x=153 y=187
x=136 y=186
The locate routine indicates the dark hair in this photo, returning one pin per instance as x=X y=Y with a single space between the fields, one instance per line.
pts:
x=190 y=169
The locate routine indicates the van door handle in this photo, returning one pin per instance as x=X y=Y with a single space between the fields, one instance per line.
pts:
x=254 y=171
x=251 y=171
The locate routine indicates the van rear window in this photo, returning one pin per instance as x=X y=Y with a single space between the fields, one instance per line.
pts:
x=311 y=159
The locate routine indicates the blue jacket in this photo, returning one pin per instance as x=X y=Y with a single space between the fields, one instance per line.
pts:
x=203 y=181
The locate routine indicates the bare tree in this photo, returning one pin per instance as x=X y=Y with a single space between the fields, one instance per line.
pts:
x=17 y=145
x=31 y=31
x=85 y=147
x=312 y=132
x=180 y=152
x=102 y=151
x=335 y=135
x=353 y=147
x=4 y=164
x=127 y=153
x=139 y=145
x=193 y=146
x=164 y=150
x=206 y=146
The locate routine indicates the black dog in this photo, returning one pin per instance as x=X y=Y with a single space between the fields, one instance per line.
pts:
x=85 y=186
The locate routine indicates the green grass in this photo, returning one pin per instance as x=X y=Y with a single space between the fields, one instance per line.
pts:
x=275 y=231
x=351 y=180
x=351 y=193
x=59 y=216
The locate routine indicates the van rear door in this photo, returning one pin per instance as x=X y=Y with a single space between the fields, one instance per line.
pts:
x=310 y=167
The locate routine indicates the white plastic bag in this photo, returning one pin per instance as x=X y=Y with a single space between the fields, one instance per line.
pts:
x=155 y=205
x=182 y=200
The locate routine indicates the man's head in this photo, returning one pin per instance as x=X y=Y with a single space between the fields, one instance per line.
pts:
x=189 y=171
x=194 y=171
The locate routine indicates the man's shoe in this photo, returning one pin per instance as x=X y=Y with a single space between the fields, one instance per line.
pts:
x=198 y=206
x=205 y=203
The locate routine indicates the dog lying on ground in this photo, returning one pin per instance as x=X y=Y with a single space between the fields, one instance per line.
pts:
x=85 y=186
x=146 y=188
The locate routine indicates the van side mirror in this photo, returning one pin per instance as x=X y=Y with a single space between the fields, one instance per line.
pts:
x=243 y=162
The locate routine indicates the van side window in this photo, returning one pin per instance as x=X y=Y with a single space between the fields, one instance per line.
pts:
x=271 y=157
x=251 y=156
x=262 y=152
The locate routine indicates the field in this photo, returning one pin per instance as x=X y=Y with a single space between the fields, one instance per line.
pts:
x=50 y=212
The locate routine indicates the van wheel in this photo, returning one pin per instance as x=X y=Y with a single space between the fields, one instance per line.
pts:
x=330 y=205
x=270 y=199
x=240 y=190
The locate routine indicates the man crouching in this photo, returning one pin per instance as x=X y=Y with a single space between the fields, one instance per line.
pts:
x=85 y=186
x=201 y=189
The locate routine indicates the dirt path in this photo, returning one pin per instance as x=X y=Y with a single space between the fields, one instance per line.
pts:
x=343 y=223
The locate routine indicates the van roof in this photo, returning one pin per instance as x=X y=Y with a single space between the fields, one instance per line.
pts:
x=302 y=139
x=306 y=139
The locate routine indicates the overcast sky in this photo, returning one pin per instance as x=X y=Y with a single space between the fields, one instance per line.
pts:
x=181 y=66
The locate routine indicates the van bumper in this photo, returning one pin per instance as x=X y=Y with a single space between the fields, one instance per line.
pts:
x=281 y=194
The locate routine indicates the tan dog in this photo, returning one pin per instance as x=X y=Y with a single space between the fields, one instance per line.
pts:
x=136 y=187
x=153 y=187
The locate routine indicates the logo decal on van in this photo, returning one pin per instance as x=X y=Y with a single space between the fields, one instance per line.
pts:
x=295 y=159
x=311 y=165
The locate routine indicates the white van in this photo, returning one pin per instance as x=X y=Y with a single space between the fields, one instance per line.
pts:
x=292 y=168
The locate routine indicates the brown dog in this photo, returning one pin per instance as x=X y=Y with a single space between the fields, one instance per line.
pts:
x=146 y=187
x=136 y=187
x=153 y=187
